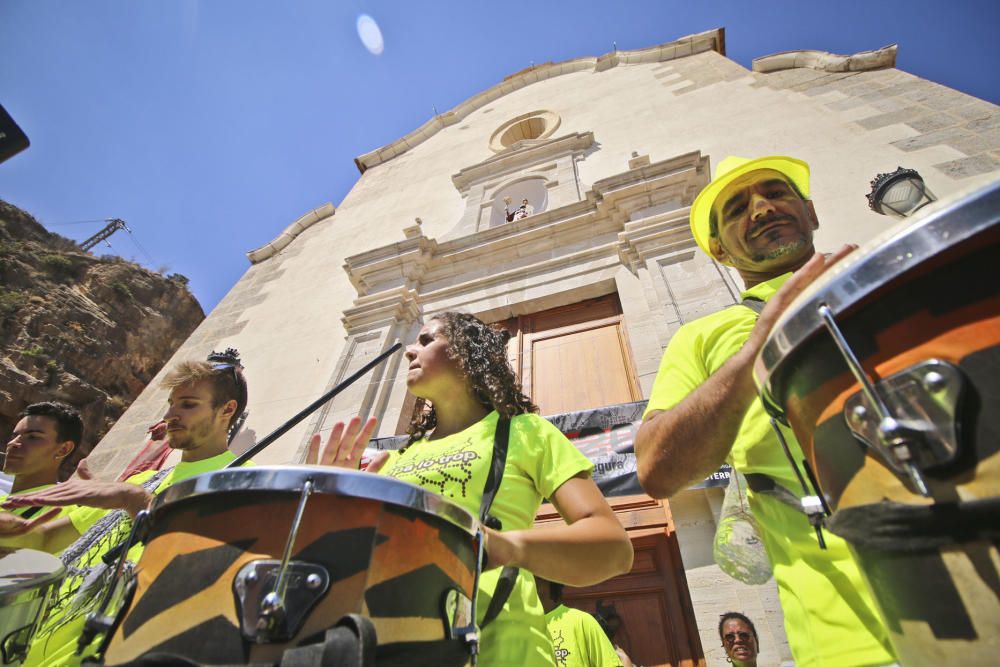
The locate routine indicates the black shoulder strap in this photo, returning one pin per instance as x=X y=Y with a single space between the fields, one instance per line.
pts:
x=754 y=304
x=508 y=575
x=500 y=439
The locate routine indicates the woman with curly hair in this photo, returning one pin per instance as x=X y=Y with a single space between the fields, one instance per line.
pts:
x=459 y=372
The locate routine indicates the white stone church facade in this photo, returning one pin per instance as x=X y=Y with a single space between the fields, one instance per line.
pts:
x=609 y=151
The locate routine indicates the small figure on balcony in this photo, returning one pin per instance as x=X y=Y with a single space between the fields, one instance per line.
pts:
x=522 y=211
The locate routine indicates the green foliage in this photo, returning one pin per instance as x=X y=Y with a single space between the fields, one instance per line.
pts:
x=179 y=278
x=10 y=302
x=34 y=351
x=122 y=289
x=58 y=265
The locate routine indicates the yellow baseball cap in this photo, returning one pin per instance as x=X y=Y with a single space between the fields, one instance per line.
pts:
x=731 y=168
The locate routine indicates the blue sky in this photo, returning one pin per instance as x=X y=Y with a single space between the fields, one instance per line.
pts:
x=211 y=126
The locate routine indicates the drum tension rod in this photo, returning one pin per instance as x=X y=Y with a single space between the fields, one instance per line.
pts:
x=272 y=607
x=890 y=432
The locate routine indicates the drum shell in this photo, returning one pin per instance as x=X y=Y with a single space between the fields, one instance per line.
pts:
x=390 y=563
x=938 y=602
x=946 y=310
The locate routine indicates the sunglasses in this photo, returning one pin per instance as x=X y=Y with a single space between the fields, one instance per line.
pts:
x=227 y=367
x=233 y=369
x=730 y=638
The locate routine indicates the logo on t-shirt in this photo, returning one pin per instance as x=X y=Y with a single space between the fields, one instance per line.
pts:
x=448 y=470
x=561 y=653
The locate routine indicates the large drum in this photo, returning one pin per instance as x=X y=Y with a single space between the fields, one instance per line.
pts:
x=28 y=580
x=243 y=564
x=888 y=371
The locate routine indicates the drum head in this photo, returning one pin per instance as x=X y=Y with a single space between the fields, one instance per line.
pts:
x=326 y=480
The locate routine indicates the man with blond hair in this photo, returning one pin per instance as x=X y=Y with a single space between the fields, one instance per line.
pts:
x=205 y=400
x=755 y=216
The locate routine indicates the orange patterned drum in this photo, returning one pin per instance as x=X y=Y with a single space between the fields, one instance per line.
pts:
x=888 y=371
x=243 y=564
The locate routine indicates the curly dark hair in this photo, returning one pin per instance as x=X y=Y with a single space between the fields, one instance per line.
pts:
x=737 y=615
x=480 y=351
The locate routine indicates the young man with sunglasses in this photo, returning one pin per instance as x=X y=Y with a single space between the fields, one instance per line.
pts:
x=205 y=400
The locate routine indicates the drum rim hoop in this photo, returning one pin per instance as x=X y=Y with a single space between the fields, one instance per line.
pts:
x=944 y=228
x=290 y=479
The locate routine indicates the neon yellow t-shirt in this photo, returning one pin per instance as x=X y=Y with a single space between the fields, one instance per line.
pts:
x=830 y=618
x=578 y=639
x=539 y=460
x=55 y=643
x=20 y=511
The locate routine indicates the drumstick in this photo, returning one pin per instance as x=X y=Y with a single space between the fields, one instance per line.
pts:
x=312 y=407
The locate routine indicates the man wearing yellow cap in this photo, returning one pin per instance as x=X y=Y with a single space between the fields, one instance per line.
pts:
x=756 y=217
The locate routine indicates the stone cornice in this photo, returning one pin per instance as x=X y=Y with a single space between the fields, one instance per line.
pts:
x=402 y=262
x=293 y=230
x=827 y=62
x=523 y=154
x=710 y=40
x=653 y=236
x=395 y=305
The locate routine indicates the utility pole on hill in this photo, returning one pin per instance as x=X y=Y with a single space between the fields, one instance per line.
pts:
x=114 y=224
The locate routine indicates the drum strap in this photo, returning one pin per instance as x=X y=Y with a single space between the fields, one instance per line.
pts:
x=763 y=484
x=508 y=576
x=754 y=304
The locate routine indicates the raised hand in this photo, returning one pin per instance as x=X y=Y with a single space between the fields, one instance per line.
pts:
x=792 y=288
x=345 y=446
x=82 y=489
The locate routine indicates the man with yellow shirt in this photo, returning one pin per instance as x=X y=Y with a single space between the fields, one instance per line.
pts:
x=205 y=399
x=578 y=640
x=45 y=436
x=755 y=216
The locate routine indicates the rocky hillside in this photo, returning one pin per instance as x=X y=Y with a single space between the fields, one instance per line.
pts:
x=90 y=331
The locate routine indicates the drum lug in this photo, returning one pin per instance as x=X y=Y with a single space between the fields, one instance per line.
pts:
x=918 y=429
x=264 y=616
x=275 y=596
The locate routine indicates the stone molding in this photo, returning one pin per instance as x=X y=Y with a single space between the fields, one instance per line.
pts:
x=284 y=238
x=398 y=305
x=653 y=237
x=710 y=40
x=550 y=118
x=823 y=61
x=522 y=155
x=610 y=227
